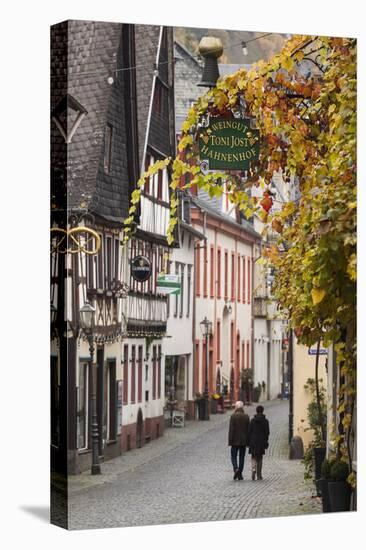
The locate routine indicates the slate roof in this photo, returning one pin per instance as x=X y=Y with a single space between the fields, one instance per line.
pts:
x=83 y=55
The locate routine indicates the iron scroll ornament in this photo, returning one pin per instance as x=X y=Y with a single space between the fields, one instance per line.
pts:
x=73 y=235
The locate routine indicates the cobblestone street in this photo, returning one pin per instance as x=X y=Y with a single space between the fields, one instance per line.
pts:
x=186 y=476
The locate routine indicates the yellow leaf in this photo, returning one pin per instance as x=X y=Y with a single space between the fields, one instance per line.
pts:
x=317 y=295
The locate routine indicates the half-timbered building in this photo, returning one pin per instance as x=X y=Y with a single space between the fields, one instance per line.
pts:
x=112 y=115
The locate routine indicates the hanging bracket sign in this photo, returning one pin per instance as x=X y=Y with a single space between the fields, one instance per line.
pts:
x=141 y=268
x=229 y=144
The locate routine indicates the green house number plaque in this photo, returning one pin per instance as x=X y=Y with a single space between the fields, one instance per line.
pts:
x=228 y=144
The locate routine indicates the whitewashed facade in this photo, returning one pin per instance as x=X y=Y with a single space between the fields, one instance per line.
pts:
x=223 y=290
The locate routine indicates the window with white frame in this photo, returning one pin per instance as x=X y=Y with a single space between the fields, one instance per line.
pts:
x=82 y=406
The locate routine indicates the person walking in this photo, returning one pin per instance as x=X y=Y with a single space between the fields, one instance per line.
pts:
x=258 y=441
x=238 y=431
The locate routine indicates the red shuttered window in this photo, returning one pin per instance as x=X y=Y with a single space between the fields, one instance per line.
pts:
x=154 y=373
x=212 y=271
x=218 y=278
x=244 y=281
x=205 y=270
x=198 y=271
x=239 y=278
x=125 y=374
x=139 y=374
x=226 y=275
x=133 y=374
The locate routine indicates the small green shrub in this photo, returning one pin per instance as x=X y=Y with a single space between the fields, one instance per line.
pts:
x=339 y=471
x=326 y=467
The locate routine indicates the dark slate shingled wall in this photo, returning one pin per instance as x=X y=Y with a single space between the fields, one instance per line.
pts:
x=161 y=135
x=146 y=43
x=94 y=50
x=59 y=38
x=94 y=54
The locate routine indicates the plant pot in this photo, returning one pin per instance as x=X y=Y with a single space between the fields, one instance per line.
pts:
x=322 y=487
x=201 y=408
x=339 y=496
x=213 y=406
x=319 y=456
x=256 y=394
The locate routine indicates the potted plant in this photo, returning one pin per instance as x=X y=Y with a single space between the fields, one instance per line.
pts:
x=317 y=415
x=200 y=402
x=338 y=487
x=322 y=484
x=257 y=392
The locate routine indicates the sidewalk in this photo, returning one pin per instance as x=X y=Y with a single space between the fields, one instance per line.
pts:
x=129 y=461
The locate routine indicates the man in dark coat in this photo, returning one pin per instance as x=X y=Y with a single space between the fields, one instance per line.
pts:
x=238 y=431
x=258 y=440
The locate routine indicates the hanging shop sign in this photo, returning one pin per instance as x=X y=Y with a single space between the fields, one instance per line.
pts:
x=141 y=268
x=168 y=284
x=228 y=144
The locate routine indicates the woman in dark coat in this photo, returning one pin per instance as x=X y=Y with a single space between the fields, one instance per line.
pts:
x=258 y=440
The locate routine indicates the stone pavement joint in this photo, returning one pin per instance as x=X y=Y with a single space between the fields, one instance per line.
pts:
x=186 y=476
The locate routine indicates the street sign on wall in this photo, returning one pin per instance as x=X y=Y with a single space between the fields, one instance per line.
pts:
x=168 y=284
x=228 y=144
x=322 y=351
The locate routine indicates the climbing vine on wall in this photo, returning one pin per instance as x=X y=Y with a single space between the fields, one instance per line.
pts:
x=307 y=125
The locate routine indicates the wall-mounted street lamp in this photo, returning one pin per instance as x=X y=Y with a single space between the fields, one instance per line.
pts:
x=87 y=324
x=206 y=329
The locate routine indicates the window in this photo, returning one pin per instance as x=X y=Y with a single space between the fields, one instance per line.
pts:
x=212 y=271
x=248 y=354
x=90 y=268
x=139 y=374
x=133 y=374
x=82 y=406
x=100 y=264
x=243 y=355
x=125 y=374
x=244 y=281
x=189 y=280
x=198 y=270
x=226 y=275
x=232 y=341
x=181 y=290
x=232 y=276
x=205 y=270
x=158 y=93
x=249 y=281
x=176 y=296
x=218 y=273
x=239 y=278
x=154 y=373
x=218 y=340
x=196 y=366
x=111 y=400
x=159 y=372
x=159 y=97
x=108 y=262
x=169 y=266
x=108 y=148
x=116 y=260
x=160 y=185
